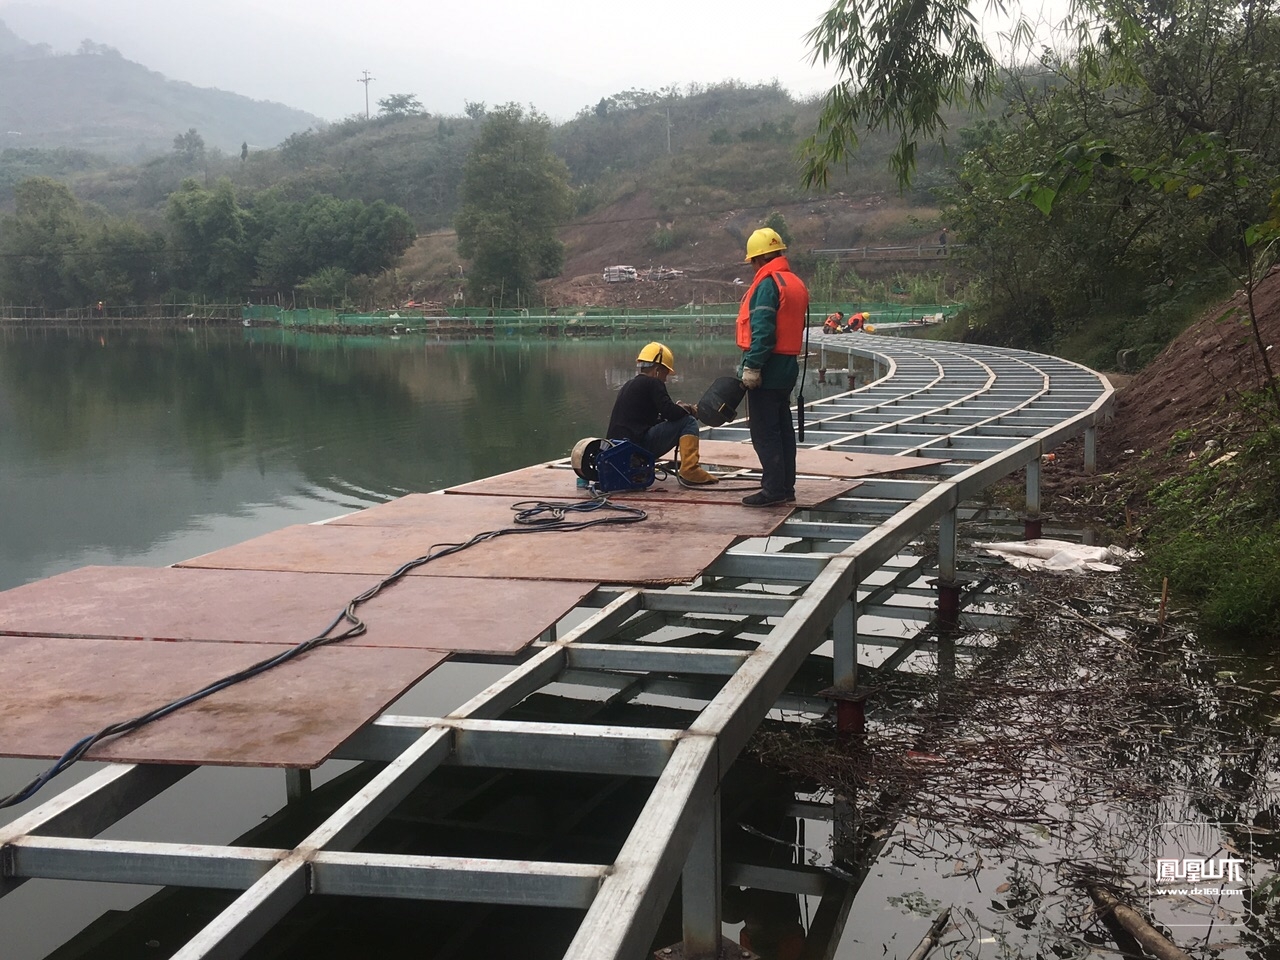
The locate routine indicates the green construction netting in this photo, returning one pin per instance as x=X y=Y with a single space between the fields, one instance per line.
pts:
x=477 y=317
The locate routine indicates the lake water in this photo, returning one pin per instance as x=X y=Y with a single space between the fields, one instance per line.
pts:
x=149 y=446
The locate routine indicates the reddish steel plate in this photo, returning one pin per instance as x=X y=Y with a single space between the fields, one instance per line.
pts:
x=560 y=483
x=673 y=545
x=440 y=613
x=821 y=463
x=58 y=690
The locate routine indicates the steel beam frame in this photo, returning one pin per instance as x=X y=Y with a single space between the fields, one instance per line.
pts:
x=989 y=411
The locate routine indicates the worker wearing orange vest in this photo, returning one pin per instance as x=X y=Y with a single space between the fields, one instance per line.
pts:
x=834 y=322
x=771 y=323
x=857 y=321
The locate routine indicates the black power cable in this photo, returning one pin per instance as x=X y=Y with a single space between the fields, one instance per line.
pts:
x=532 y=516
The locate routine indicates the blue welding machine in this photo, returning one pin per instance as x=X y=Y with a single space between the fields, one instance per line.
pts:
x=613 y=465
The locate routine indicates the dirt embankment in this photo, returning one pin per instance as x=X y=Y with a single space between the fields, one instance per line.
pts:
x=708 y=246
x=1184 y=399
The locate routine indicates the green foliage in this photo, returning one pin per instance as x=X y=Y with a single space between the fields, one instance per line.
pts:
x=663 y=239
x=1217 y=539
x=122 y=262
x=55 y=254
x=400 y=105
x=901 y=64
x=189 y=147
x=17 y=165
x=213 y=252
x=778 y=223
x=515 y=193
x=298 y=239
x=825 y=281
x=327 y=287
x=37 y=245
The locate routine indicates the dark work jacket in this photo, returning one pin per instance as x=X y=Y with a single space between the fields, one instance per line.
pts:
x=642 y=402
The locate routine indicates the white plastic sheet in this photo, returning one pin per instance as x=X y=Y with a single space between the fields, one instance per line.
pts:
x=1060 y=556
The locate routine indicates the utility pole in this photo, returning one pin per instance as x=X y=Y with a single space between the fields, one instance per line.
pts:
x=366 y=79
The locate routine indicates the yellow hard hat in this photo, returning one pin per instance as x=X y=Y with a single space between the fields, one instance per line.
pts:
x=657 y=353
x=765 y=240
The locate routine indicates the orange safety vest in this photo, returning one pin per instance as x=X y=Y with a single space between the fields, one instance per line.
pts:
x=793 y=303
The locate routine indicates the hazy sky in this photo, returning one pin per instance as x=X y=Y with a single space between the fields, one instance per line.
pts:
x=560 y=55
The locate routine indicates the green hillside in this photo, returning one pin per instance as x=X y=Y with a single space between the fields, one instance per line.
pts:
x=723 y=146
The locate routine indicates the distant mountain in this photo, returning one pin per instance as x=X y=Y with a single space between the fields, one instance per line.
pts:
x=97 y=100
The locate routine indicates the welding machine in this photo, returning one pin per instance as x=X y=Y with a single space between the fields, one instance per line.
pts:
x=613 y=465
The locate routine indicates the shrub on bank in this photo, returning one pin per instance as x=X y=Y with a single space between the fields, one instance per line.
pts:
x=1216 y=536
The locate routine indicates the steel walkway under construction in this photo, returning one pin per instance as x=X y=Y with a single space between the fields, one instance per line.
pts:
x=987 y=412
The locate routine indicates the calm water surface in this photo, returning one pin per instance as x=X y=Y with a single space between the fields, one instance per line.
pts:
x=148 y=447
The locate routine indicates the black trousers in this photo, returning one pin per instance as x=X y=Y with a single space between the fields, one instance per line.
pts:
x=773 y=434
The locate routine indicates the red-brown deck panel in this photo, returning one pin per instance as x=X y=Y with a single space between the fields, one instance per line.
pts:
x=58 y=690
x=217 y=614
x=560 y=483
x=821 y=463
x=674 y=545
x=451 y=614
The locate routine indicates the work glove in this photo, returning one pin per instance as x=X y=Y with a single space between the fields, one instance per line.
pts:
x=750 y=377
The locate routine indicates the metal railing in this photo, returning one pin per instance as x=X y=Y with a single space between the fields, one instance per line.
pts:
x=917 y=251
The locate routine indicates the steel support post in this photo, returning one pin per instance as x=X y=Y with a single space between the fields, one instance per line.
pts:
x=844 y=830
x=850 y=714
x=1090 y=450
x=947 y=546
x=297 y=785
x=948 y=588
x=700 y=887
x=1031 y=525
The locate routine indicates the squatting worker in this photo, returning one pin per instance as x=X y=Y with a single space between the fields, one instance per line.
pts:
x=771 y=334
x=644 y=413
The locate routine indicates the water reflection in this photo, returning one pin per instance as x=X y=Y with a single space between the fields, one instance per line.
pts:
x=149 y=446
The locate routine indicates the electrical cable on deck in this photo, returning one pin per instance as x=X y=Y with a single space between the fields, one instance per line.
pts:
x=532 y=516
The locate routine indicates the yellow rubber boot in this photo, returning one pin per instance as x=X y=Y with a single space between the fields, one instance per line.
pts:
x=690 y=469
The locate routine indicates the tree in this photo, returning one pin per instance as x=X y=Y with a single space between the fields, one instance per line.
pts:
x=400 y=105
x=213 y=253
x=1148 y=150
x=515 y=193
x=298 y=240
x=189 y=147
x=778 y=223
x=122 y=262
x=39 y=244
x=900 y=64
x=476 y=109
